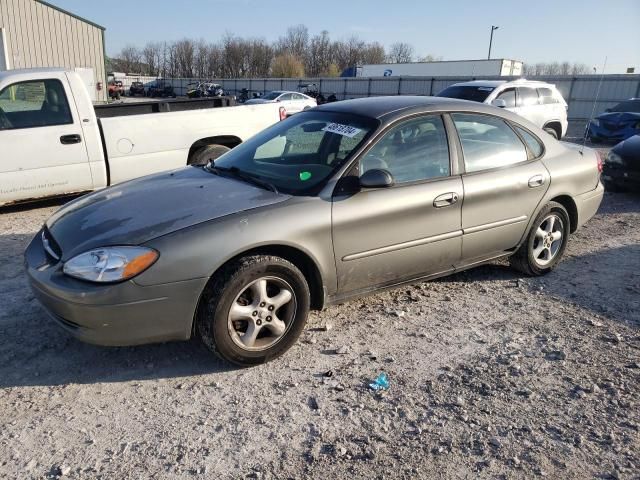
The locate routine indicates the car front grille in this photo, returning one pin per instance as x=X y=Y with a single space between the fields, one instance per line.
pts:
x=50 y=245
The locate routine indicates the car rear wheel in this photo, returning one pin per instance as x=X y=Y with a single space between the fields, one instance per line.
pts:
x=545 y=242
x=253 y=310
x=202 y=156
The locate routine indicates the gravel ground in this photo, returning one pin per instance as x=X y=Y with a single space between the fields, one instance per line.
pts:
x=493 y=375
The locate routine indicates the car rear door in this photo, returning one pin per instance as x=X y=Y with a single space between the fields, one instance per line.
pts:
x=43 y=149
x=528 y=106
x=385 y=235
x=504 y=181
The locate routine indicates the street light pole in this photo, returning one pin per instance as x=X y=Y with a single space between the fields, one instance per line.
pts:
x=493 y=27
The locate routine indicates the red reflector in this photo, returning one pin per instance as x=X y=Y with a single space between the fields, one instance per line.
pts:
x=600 y=161
x=283 y=113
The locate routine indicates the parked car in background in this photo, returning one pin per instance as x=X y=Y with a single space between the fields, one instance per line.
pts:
x=622 y=166
x=162 y=89
x=293 y=102
x=55 y=142
x=332 y=203
x=116 y=89
x=617 y=123
x=539 y=102
x=136 y=88
x=204 y=89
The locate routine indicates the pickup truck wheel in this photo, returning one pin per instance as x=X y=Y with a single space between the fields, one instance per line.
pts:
x=202 y=156
x=545 y=242
x=253 y=310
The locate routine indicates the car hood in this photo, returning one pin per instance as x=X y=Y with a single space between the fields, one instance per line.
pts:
x=135 y=212
x=618 y=118
x=629 y=149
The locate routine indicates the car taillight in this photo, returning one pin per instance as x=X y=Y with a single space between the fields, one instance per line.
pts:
x=283 y=113
x=600 y=161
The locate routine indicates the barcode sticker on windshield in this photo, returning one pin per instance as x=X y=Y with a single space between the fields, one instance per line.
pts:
x=344 y=130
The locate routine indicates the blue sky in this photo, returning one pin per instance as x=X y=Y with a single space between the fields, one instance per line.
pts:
x=542 y=30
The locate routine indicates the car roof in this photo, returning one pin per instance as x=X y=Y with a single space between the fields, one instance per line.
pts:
x=400 y=105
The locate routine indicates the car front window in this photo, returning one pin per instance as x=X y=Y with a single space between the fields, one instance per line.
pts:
x=272 y=95
x=298 y=155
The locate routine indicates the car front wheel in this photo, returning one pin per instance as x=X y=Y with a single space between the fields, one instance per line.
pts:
x=545 y=243
x=254 y=309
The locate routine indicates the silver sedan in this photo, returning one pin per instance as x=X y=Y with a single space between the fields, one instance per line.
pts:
x=336 y=202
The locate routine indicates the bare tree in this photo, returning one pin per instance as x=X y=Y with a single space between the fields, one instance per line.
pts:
x=430 y=58
x=295 y=42
x=129 y=60
x=373 y=53
x=400 y=52
x=320 y=55
x=152 y=57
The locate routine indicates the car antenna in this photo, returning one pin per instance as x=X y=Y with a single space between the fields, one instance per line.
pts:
x=593 y=109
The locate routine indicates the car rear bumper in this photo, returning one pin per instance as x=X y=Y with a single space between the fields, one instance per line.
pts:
x=588 y=203
x=115 y=314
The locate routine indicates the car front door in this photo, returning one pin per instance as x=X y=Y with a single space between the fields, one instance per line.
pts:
x=385 y=235
x=43 y=150
x=504 y=181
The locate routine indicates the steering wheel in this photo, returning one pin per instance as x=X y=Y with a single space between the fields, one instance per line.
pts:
x=4 y=120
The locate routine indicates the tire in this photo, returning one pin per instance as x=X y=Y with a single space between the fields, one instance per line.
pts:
x=529 y=259
x=202 y=156
x=226 y=336
x=552 y=132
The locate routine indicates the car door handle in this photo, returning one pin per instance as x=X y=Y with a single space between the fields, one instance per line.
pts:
x=70 y=139
x=536 y=181
x=445 y=200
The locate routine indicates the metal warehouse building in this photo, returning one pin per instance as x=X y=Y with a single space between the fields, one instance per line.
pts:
x=34 y=33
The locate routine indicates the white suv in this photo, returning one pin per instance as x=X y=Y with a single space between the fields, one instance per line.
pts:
x=540 y=103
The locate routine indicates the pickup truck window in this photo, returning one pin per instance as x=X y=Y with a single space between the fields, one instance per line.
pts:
x=38 y=103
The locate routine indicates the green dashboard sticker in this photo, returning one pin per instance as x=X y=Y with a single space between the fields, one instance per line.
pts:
x=304 y=176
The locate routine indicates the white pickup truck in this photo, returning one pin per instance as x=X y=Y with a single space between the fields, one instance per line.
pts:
x=54 y=141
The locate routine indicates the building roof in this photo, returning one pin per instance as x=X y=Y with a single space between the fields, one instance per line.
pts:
x=47 y=4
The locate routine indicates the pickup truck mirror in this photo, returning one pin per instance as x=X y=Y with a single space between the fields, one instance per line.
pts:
x=377 y=178
x=499 y=102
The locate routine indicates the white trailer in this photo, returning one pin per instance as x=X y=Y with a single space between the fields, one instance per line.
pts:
x=458 y=68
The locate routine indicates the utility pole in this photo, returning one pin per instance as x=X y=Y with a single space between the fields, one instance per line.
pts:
x=493 y=27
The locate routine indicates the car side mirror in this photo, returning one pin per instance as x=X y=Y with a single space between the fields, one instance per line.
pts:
x=377 y=178
x=499 y=102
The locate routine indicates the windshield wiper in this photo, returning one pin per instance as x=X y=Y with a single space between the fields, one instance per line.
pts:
x=242 y=175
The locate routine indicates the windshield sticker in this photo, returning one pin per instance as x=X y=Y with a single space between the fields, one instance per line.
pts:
x=485 y=89
x=344 y=130
x=304 y=176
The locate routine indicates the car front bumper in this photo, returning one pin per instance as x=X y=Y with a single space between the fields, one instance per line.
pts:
x=624 y=178
x=112 y=314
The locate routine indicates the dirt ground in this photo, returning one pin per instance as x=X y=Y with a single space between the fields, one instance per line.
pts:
x=493 y=375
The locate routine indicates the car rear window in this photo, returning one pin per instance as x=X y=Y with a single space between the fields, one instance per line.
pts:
x=467 y=92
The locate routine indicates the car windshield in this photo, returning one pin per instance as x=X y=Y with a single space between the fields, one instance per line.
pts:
x=298 y=155
x=628 y=106
x=272 y=95
x=467 y=92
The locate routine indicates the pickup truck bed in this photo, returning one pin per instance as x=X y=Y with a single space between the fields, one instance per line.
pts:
x=141 y=108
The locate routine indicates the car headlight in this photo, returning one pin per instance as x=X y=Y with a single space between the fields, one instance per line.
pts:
x=614 y=158
x=595 y=122
x=110 y=264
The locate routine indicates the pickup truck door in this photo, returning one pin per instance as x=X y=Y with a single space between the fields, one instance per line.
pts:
x=43 y=151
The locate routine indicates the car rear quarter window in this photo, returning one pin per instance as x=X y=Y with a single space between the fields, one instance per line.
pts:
x=487 y=142
x=546 y=96
x=535 y=146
